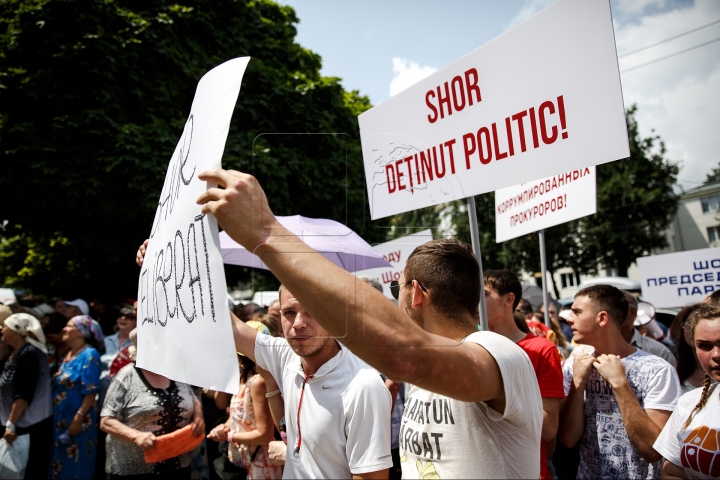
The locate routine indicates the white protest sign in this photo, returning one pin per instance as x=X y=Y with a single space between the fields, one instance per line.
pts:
x=396 y=253
x=183 y=317
x=543 y=98
x=544 y=203
x=679 y=279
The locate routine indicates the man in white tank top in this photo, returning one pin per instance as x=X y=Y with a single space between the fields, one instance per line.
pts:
x=475 y=410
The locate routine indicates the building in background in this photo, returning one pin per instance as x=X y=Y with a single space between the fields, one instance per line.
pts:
x=696 y=223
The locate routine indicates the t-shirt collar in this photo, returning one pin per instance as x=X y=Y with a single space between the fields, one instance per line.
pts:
x=296 y=367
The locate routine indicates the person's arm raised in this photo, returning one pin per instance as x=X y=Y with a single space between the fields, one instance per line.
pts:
x=352 y=311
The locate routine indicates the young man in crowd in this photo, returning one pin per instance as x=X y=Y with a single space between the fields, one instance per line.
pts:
x=633 y=337
x=475 y=405
x=502 y=296
x=337 y=408
x=619 y=398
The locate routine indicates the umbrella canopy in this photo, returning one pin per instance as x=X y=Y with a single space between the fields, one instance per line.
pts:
x=333 y=240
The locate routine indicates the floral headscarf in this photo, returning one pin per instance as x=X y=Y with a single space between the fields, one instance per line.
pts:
x=90 y=329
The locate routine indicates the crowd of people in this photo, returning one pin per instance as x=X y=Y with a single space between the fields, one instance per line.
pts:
x=336 y=381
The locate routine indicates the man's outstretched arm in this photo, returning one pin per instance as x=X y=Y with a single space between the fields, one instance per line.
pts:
x=352 y=311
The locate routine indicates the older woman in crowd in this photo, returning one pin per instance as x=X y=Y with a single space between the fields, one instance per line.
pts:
x=250 y=428
x=25 y=406
x=74 y=389
x=114 y=344
x=140 y=406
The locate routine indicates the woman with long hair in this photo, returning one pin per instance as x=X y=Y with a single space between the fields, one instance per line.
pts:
x=689 y=441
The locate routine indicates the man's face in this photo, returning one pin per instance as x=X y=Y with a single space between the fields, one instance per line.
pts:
x=496 y=305
x=305 y=336
x=583 y=320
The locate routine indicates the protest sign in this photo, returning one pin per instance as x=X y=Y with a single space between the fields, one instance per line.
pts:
x=396 y=253
x=543 y=98
x=184 y=329
x=679 y=279
x=544 y=203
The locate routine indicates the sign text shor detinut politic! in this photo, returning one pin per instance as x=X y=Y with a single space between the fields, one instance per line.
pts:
x=539 y=125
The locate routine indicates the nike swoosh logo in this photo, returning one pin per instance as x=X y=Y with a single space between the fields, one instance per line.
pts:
x=325 y=387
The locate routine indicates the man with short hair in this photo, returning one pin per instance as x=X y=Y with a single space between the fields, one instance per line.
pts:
x=643 y=342
x=337 y=408
x=474 y=407
x=617 y=400
x=502 y=297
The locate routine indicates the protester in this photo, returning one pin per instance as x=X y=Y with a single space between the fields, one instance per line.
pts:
x=690 y=373
x=555 y=318
x=74 y=389
x=72 y=308
x=57 y=349
x=274 y=309
x=485 y=381
x=139 y=407
x=525 y=308
x=126 y=322
x=643 y=342
x=271 y=323
x=249 y=429
x=25 y=398
x=502 y=295
x=689 y=441
x=617 y=400
x=5 y=349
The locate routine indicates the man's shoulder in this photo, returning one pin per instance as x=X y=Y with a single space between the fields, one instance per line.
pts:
x=533 y=343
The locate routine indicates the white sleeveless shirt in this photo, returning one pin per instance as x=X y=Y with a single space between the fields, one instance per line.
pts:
x=445 y=438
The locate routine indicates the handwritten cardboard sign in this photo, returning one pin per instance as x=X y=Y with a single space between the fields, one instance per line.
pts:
x=543 y=98
x=183 y=316
x=544 y=203
x=396 y=253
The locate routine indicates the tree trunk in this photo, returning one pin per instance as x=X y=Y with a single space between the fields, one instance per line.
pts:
x=555 y=288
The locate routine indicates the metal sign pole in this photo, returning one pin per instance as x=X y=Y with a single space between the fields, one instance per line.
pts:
x=543 y=270
x=475 y=238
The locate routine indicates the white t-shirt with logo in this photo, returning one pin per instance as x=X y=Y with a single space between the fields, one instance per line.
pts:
x=697 y=447
x=605 y=448
x=445 y=438
x=345 y=414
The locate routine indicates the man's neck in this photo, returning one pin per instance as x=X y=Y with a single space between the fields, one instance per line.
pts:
x=506 y=327
x=456 y=328
x=313 y=363
x=613 y=344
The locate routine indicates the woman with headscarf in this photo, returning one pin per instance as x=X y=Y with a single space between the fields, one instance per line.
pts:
x=74 y=389
x=140 y=406
x=25 y=406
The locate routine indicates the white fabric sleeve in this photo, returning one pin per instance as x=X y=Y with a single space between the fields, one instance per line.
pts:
x=667 y=443
x=367 y=406
x=567 y=370
x=272 y=354
x=663 y=390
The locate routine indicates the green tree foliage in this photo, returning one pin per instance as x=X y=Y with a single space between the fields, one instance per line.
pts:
x=94 y=95
x=636 y=203
x=713 y=176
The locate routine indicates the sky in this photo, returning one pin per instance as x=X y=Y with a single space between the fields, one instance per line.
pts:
x=381 y=47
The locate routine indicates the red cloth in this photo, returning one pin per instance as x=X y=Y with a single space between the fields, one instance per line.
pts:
x=545 y=359
x=120 y=360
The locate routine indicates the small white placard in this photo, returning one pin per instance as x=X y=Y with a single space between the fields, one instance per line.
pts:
x=679 y=279
x=544 y=203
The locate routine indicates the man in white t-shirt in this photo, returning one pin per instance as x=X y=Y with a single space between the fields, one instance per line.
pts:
x=337 y=408
x=475 y=408
x=619 y=398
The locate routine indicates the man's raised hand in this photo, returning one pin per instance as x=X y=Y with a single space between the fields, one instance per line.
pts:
x=140 y=255
x=240 y=206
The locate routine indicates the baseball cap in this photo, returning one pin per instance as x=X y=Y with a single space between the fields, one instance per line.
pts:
x=565 y=314
x=79 y=303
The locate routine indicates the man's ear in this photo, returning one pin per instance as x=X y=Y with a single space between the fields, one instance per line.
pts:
x=509 y=299
x=603 y=318
x=418 y=296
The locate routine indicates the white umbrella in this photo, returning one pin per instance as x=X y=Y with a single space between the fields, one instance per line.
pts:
x=333 y=240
